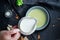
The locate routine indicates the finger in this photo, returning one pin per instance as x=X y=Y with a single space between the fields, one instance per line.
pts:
x=14 y=27
x=5 y=32
x=16 y=36
x=14 y=31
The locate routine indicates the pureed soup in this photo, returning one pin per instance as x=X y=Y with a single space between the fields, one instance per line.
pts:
x=39 y=15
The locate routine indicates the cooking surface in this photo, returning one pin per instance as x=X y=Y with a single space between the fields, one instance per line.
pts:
x=51 y=32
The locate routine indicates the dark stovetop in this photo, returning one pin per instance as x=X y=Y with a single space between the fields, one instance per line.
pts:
x=51 y=32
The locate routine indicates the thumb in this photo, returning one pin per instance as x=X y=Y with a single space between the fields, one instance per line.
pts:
x=15 y=33
x=16 y=36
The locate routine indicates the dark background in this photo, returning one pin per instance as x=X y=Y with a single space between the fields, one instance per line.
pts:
x=51 y=32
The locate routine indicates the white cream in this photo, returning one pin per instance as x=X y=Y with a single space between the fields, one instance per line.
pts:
x=27 y=25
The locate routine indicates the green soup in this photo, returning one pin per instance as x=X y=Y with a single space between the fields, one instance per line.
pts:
x=39 y=15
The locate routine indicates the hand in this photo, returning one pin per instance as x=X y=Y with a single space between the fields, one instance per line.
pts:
x=10 y=35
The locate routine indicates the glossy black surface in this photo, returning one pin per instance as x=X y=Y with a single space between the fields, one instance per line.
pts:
x=51 y=32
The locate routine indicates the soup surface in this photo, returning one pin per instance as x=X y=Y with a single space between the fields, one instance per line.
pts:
x=39 y=15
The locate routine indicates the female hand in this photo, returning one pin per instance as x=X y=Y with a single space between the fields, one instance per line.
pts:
x=10 y=35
